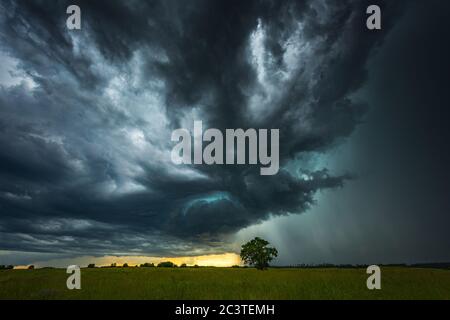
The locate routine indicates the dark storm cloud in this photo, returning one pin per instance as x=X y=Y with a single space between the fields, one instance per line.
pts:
x=397 y=211
x=85 y=134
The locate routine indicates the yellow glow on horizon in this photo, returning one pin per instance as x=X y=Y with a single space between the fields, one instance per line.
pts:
x=20 y=267
x=213 y=260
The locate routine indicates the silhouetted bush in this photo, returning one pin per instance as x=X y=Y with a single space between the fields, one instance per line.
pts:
x=30 y=267
x=147 y=265
x=235 y=266
x=125 y=265
x=167 y=264
x=3 y=267
x=91 y=265
x=183 y=265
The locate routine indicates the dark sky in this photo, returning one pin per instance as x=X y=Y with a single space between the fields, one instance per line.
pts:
x=86 y=118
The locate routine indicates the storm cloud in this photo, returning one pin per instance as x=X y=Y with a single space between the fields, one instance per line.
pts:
x=86 y=116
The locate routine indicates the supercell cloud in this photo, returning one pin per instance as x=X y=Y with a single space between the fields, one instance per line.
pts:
x=86 y=117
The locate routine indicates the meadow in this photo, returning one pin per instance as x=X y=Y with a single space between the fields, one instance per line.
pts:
x=225 y=283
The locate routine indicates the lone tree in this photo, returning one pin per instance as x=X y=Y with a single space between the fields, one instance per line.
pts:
x=257 y=253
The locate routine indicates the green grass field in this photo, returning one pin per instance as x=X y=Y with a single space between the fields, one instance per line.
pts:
x=225 y=283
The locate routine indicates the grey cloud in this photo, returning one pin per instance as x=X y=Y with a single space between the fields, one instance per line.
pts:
x=91 y=140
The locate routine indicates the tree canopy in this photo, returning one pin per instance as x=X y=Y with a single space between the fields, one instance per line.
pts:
x=257 y=253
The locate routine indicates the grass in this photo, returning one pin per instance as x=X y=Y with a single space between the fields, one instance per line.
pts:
x=225 y=283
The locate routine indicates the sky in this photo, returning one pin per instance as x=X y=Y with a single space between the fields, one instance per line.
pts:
x=86 y=118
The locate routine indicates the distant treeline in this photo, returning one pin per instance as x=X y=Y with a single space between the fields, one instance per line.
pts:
x=164 y=264
x=436 y=265
x=3 y=267
x=169 y=264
